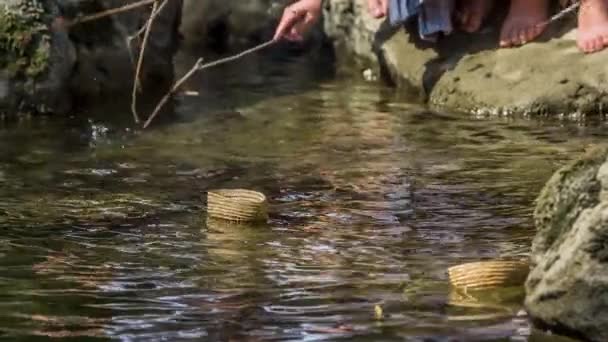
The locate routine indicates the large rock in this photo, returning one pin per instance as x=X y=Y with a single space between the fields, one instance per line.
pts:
x=221 y=23
x=468 y=72
x=105 y=60
x=30 y=72
x=567 y=289
x=45 y=64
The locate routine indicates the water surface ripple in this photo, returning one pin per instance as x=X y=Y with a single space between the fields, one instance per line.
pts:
x=104 y=233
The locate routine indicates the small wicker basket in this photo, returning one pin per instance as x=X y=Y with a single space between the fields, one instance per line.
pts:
x=237 y=205
x=489 y=274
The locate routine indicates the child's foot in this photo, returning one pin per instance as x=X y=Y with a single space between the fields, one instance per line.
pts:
x=525 y=22
x=377 y=8
x=472 y=13
x=593 y=26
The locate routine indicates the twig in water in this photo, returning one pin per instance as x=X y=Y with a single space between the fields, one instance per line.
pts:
x=199 y=66
x=156 y=9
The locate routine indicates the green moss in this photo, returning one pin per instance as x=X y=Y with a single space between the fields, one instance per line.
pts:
x=572 y=189
x=24 y=39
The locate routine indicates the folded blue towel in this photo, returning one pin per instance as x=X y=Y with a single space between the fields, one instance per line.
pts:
x=434 y=16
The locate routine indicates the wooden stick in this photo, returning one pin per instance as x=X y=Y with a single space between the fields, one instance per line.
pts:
x=199 y=66
x=142 y=29
x=110 y=12
x=156 y=9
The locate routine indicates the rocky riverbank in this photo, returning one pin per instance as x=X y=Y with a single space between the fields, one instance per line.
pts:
x=567 y=289
x=45 y=70
x=468 y=72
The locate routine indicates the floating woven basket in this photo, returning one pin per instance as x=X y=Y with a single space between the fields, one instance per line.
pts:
x=237 y=205
x=489 y=274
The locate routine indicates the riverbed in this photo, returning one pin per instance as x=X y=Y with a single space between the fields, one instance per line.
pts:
x=104 y=232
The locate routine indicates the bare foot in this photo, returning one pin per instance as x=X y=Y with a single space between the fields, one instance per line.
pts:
x=378 y=8
x=525 y=22
x=593 y=26
x=472 y=13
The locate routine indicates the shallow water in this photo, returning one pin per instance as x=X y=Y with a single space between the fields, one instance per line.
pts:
x=104 y=233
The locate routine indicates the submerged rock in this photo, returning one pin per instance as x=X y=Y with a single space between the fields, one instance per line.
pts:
x=567 y=289
x=469 y=72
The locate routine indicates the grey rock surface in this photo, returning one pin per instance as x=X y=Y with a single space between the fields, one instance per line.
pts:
x=230 y=24
x=567 y=289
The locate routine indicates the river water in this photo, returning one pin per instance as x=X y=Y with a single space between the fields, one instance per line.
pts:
x=104 y=236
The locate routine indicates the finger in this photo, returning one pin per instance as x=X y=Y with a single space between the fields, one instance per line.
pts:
x=307 y=24
x=289 y=19
x=300 y=28
x=294 y=36
x=297 y=31
x=284 y=26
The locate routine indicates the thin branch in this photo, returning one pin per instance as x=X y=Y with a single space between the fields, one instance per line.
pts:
x=110 y=12
x=173 y=90
x=142 y=29
x=567 y=10
x=156 y=9
x=199 y=66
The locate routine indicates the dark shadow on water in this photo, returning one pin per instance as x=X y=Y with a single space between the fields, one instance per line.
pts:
x=279 y=70
x=220 y=94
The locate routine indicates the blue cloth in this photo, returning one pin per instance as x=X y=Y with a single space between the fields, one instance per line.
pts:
x=434 y=16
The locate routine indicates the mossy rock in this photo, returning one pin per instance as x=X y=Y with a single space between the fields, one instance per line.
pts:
x=568 y=283
x=24 y=39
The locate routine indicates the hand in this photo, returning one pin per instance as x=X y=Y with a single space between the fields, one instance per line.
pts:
x=298 y=19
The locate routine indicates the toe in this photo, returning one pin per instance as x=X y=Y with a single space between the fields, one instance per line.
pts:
x=599 y=44
x=512 y=38
x=592 y=45
x=474 y=24
x=464 y=19
x=539 y=29
x=505 y=36
x=588 y=46
x=520 y=37
x=504 y=41
x=604 y=42
x=581 y=43
x=533 y=32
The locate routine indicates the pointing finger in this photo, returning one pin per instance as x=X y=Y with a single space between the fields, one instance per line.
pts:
x=288 y=21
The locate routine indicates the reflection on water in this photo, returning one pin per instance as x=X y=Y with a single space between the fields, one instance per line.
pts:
x=104 y=232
